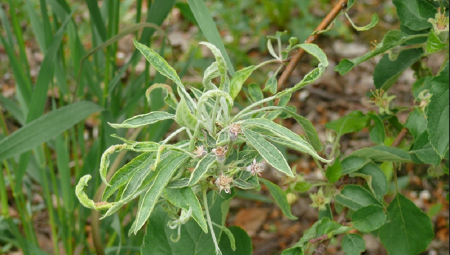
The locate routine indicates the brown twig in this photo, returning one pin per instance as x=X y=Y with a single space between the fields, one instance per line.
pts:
x=398 y=140
x=300 y=52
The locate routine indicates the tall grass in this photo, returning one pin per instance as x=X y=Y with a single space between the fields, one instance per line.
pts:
x=46 y=151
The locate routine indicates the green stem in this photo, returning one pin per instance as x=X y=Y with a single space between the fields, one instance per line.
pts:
x=3 y=197
x=205 y=202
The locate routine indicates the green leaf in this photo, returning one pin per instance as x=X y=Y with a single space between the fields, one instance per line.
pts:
x=143 y=120
x=409 y=230
x=165 y=69
x=387 y=72
x=242 y=240
x=369 y=218
x=421 y=85
x=291 y=139
x=165 y=170
x=377 y=134
x=124 y=174
x=375 y=178
x=185 y=198
x=209 y=28
x=193 y=240
x=353 y=122
x=382 y=154
x=210 y=73
x=355 y=197
x=269 y=152
x=243 y=184
x=45 y=128
x=184 y=117
x=302 y=187
x=221 y=63
x=84 y=199
x=280 y=197
x=255 y=92
x=392 y=39
x=352 y=164
x=414 y=14
x=200 y=170
x=434 y=44
x=334 y=172
x=238 y=80
x=372 y=24
x=353 y=244
x=416 y=123
x=423 y=152
x=438 y=111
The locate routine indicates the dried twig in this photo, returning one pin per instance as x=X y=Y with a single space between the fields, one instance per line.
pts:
x=342 y=4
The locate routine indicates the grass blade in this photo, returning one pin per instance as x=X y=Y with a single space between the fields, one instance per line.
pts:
x=209 y=28
x=45 y=128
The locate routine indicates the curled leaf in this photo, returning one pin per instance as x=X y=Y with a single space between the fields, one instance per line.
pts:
x=85 y=200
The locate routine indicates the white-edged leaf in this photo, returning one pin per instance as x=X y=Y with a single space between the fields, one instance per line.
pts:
x=184 y=117
x=85 y=200
x=268 y=151
x=285 y=134
x=143 y=120
x=200 y=170
x=238 y=80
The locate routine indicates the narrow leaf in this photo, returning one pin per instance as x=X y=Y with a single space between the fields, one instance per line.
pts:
x=200 y=170
x=280 y=197
x=143 y=120
x=269 y=152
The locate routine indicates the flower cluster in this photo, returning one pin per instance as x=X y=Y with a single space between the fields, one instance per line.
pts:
x=220 y=153
x=256 y=168
x=224 y=183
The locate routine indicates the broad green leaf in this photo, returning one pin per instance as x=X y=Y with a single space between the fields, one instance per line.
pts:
x=255 y=92
x=423 y=152
x=353 y=244
x=409 y=230
x=165 y=69
x=238 y=80
x=184 y=117
x=144 y=120
x=352 y=164
x=421 y=85
x=416 y=123
x=414 y=14
x=193 y=240
x=45 y=128
x=200 y=170
x=387 y=72
x=438 y=112
x=434 y=44
x=377 y=134
x=355 y=197
x=392 y=39
x=375 y=178
x=210 y=73
x=269 y=152
x=280 y=197
x=369 y=218
x=302 y=187
x=353 y=122
x=209 y=28
x=221 y=63
x=382 y=154
x=242 y=240
x=291 y=139
x=314 y=50
x=124 y=174
x=334 y=172
x=165 y=170
x=372 y=24
x=85 y=200
x=185 y=198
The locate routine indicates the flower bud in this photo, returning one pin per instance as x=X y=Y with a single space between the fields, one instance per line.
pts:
x=200 y=151
x=223 y=183
x=235 y=130
x=256 y=168
x=220 y=153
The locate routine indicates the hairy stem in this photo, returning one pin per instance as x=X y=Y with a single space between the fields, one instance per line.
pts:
x=208 y=218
